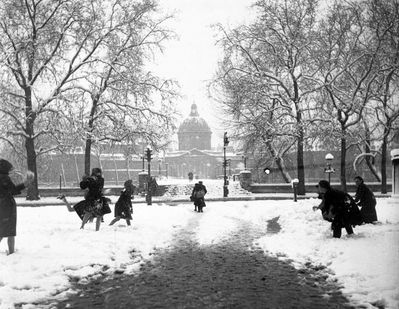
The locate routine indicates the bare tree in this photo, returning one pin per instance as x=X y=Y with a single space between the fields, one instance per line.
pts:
x=275 y=52
x=348 y=66
x=48 y=49
x=384 y=24
x=122 y=98
x=43 y=47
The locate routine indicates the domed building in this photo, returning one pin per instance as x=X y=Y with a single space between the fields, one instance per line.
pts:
x=195 y=154
x=194 y=132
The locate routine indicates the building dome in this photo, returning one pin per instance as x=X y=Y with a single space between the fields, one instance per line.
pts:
x=194 y=123
x=194 y=132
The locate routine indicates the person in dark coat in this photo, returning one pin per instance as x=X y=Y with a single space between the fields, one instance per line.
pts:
x=8 y=207
x=198 y=196
x=96 y=205
x=365 y=199
x=123 y=207
x=335 y=208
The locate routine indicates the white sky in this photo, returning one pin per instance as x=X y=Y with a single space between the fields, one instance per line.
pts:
x=192 y=60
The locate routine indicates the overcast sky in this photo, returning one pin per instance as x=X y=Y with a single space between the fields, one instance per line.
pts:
x=192 y=60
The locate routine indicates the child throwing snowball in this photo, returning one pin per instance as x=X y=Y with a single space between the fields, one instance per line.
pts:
x=123 y=207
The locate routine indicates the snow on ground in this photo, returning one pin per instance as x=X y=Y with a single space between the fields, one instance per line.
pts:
x=52 y=250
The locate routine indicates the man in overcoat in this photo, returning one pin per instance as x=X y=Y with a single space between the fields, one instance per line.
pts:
x=334 y=203
x=366 y=200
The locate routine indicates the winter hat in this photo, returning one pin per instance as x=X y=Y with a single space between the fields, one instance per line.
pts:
x=5 y=166
x=359 y=178
x=129 y=185
x=324 y=184
x=96 y=170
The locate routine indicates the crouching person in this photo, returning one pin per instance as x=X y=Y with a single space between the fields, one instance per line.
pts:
x=334 y=208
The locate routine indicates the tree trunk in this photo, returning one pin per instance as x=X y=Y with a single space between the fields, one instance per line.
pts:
x=127 y=166
x=369 y=161
x=384 y=188
x=300 y=164
x=33 y=188
x=87 y=155
x=89 y=139
x=279 y=162
x=343 y=161
x=77 y=170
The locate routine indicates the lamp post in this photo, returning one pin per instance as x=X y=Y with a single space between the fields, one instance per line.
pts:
x=159 y=167
x=328 y=169
x=295 y=183
x=149 y=193
x=143 y=158
x=225 y=182
x=244 y=157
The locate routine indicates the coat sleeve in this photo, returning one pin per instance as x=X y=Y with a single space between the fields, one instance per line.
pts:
x=11 y=187
x=359 y=193
x=84 y=184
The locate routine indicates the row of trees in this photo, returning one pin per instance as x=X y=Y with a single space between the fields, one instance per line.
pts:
x=303 y=75
x=76 y=70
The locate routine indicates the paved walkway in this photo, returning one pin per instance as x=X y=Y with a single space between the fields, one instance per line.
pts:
x=230 y=274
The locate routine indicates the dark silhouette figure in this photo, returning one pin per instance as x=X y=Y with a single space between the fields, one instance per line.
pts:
x=123 y=207
x=335 y=207
x=96 y=205
x=8 y=207
x=366 y=200
x=198 y=196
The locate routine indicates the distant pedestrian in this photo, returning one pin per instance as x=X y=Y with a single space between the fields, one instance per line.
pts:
x=365 y=199
x=123 y=207
x=198 y=196
x=335 y=208
x=8 y=207
x=96 y=204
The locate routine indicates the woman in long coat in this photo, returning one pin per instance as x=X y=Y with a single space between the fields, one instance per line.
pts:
x=96 y=204
x=366 y=200
x=8 y=207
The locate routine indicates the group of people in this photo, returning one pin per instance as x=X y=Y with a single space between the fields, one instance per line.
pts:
x=95 y=205
x=342 y=210
x=337 y=206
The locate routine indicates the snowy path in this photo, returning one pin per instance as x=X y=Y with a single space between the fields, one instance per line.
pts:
x=54 y=256
x=229 y=274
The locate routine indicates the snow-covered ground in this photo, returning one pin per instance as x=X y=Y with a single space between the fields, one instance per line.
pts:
x=52 y=250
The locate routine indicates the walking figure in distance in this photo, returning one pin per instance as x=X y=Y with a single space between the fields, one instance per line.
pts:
x=198 y=196
x=365 y=199
x=123 y=206
x=8 y=207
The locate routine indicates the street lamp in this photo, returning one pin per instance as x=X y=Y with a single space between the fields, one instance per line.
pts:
x=328 y=169
x=149 y=158
x=244 y=157
x=143 y=159
x=159 y=167
x=295 y=183
x=225 y=183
